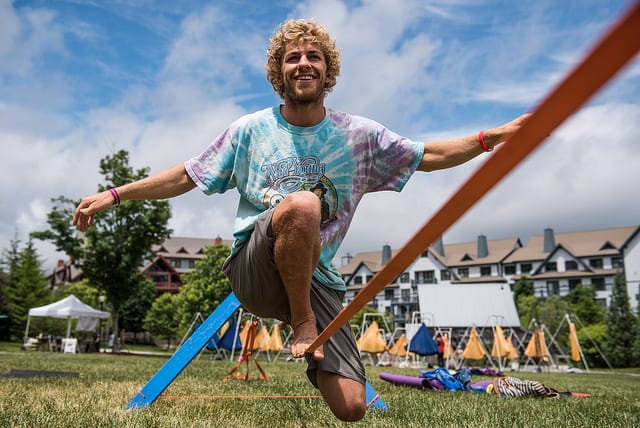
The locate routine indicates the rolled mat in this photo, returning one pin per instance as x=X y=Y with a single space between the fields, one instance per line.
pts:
x=415 y=382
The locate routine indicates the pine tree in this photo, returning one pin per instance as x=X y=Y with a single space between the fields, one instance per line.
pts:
x=621 y=326
x=27 y=287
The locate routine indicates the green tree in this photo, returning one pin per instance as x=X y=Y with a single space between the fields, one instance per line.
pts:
x=552 y=312
x=582 y=302
x=527 y=306
x=27 y=287
x=523 y=287
x=592 y=340
x=621 y=325
x=161 y=319
x=136 y=307
x=636 y=342
x=82 y=290
x=113 y=249
x=206 y=286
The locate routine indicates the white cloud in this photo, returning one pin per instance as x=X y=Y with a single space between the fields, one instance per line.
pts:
x=402 y=65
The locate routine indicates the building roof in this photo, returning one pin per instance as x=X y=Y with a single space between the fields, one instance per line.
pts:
x=183 y=247
x=455 y=255
x=466 y=254
x=601 y=242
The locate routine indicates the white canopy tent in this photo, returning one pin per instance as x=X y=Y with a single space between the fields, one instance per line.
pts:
x=68 y=308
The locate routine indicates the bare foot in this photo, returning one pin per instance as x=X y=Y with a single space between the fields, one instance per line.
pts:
x=303 y=336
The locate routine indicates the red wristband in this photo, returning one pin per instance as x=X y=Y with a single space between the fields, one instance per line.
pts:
x=116 y=197
x=482 y=143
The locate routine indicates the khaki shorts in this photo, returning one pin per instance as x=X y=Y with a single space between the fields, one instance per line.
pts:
x=257 y=284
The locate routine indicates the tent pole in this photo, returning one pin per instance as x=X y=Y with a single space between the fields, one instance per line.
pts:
x=594 y=342
x=26 y=330
x=68 y=327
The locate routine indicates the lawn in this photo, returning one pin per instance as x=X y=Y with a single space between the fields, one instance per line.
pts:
x=106 y=383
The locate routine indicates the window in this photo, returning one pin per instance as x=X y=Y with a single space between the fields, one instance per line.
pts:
x=357 y=280
x=573 y=283
x=525 y=268
x=617 y=262
x=405 y=294
x=425 y=277
x=192 y=264
x=405 y=278
x=510 y=269
x=595 y=263
x=553 y=288
x=388 y=294
x=570 y=265
x=598 y=284
x=445 y=275
x=551 y=267
x=176 y=263
x=485 y=270
x=369 y=277
x=463 y=272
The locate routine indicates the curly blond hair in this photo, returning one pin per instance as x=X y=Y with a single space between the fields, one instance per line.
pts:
x=298 y=31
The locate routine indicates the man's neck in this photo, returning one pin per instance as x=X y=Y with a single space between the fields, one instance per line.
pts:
x=303 y=114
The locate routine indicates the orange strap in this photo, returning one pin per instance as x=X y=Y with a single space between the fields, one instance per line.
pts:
x=246 y=356
x=611 y=53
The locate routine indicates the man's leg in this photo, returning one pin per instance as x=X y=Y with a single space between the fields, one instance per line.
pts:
x=340 y=376
x=345 y=397
x=296 y=229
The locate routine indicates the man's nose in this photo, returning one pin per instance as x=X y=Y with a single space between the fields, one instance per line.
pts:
x=304 y=61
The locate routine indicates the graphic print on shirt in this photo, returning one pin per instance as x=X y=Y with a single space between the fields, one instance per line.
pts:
x=295 y=174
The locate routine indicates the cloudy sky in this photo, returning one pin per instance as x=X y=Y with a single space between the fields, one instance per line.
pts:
x=82 y=79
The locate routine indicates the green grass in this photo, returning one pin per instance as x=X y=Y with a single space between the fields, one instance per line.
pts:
x=98 y=397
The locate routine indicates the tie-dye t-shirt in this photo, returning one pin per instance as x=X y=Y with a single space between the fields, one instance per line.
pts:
x=340 y=159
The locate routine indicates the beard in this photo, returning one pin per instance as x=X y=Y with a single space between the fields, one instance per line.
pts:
x=303 y=97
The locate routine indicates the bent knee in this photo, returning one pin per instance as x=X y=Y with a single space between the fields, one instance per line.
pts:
x=299 y=206
x=351 y=412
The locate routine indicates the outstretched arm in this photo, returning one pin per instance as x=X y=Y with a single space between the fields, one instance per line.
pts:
x=450 y=153
x=166 y=184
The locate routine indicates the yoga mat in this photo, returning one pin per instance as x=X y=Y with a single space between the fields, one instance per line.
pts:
x=414 y=382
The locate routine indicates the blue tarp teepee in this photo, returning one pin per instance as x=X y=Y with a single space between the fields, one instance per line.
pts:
x=229 y=340
x=422 y=342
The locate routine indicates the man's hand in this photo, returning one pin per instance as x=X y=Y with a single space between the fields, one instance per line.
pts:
x=89 y=206
x=498 y=135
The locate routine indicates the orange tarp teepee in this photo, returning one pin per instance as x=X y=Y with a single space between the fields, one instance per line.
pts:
x=275 y=341
x=513 y=354
x=537 y=347
x=575 y=346
x=448 y=349
x=400 y=347
x=371 y=340
x=262 y=339
x=500 y=346
x=474 y=349
x=244 y=332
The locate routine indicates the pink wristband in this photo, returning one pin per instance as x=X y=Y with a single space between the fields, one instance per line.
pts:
x=116 y=197
x=482 y=143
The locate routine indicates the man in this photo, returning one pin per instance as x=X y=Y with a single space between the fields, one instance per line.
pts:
x=280 y=263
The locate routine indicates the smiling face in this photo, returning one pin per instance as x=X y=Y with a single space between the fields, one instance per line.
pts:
x=299 y=34
x=304 y=72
